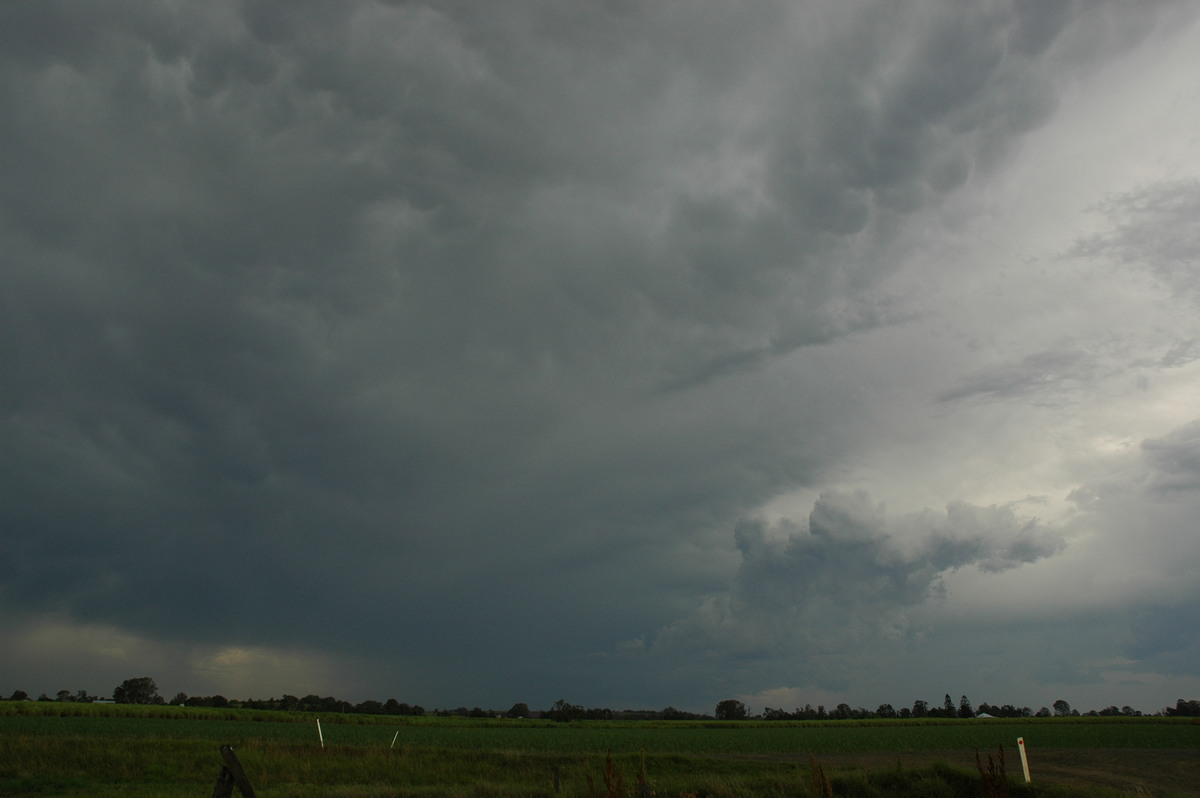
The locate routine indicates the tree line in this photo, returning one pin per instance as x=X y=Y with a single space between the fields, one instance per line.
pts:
x=144 y=690
x=731 y=709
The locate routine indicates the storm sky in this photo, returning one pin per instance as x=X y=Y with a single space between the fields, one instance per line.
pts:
x=637 y=354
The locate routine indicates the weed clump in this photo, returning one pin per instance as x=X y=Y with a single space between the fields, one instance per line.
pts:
x=994 y=776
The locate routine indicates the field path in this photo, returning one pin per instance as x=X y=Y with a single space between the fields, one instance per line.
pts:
x=1134 y=770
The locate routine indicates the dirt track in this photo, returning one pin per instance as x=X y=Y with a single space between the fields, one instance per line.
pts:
x=1133 y=770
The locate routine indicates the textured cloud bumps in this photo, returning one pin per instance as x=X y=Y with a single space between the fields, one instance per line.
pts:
x=853 y=571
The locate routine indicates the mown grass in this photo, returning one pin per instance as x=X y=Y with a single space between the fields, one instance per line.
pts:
x=102 y=750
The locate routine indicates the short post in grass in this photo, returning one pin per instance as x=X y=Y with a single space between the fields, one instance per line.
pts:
x=232 y=776
x=393 y=745
x=320 y=736
x=1024 y=758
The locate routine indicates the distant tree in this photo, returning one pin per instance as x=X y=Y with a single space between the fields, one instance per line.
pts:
x=904 y=713
x=369 y=707
x=44 y=697
x=964 y=708
x=315 y=703
x=141 y=690
x=730 y=709
x=1186 y=709
x=519 y=710
x=563 y=711
x=1043 y=713
x=920 y=709
x=885 y=711
x=807 y=713
x=83 y=698
x=1061 y=708
x=671 y=713
x=948 y=710
x=1129 y=711
x=63 y=695
x=842 y=712
x=179 y=700
x=19 y=695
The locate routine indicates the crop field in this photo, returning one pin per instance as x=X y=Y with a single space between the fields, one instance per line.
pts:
x=102 y=750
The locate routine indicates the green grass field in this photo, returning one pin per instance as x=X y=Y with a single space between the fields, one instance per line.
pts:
x=102 y=750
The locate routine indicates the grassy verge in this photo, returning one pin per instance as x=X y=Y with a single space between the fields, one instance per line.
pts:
x=112 y=750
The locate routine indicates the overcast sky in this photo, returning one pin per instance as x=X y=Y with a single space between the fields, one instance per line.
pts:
x=637 y=354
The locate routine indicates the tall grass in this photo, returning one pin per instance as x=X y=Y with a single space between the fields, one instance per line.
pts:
x=108 y=750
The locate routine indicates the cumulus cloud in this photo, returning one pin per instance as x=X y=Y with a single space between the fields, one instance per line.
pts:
x=852 y=573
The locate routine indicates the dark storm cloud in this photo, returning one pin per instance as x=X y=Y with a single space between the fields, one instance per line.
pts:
x=1145 y=512
x=1155 y=228
x=1174 y=459
x=1181 y=354
x=325 y=319
x=1045 y=375
x=1161 y=638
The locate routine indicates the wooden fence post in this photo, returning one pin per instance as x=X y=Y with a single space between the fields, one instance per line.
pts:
x=224 y=787
x=232 y=775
